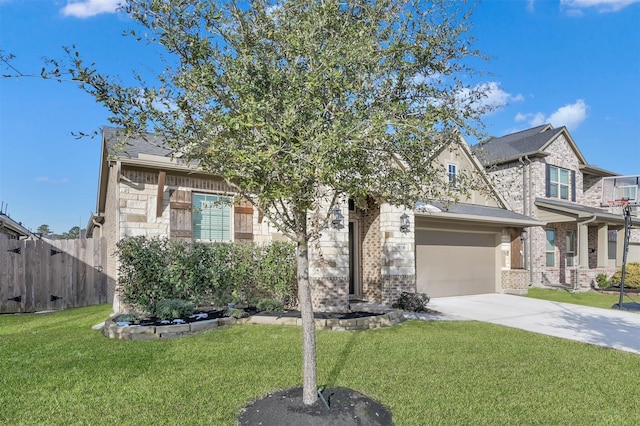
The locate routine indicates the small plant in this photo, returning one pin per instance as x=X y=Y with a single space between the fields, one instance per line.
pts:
x=235 y=313
x=269 y=305
x=128 y=317
x=603 y=281
x=412 y=302
x=174 y=308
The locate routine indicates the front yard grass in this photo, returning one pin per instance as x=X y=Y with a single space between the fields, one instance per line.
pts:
x=55 y=370
x=587 y=298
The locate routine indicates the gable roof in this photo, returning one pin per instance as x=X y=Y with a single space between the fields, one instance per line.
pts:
x=120 y=145
x=531 y=143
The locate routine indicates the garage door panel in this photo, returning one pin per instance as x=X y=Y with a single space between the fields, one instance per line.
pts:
x=454 y=263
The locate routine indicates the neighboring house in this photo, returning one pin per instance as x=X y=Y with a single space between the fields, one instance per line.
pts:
x=542 y=174
x=371 y=254
x=11 y=229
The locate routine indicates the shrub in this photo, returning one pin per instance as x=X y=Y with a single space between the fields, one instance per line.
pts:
x=413 y=302
x=155 y=269
x=235 y=313
x=632 y=278
x=174 y=308
x=269 y=305
x=602 y=280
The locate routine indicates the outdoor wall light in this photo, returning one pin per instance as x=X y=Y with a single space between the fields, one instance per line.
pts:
x=404 y=223
x=337 y=218
x=524 y=235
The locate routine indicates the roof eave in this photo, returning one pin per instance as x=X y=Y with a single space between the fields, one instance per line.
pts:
x=480 y=218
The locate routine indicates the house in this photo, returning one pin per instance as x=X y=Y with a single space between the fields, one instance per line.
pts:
x=370 y=254
x=542 y=174
x=11 y=229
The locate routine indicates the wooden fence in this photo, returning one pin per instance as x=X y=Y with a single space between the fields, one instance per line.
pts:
x=37 y=275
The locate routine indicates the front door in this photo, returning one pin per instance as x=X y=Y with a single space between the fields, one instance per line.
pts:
x=355 y=288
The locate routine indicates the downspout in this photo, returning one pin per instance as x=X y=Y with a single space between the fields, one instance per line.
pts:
x=586 y=222
x=529 y=212
x=97 y=225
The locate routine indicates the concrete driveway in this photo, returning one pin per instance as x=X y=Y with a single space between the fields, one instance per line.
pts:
x=603 y=327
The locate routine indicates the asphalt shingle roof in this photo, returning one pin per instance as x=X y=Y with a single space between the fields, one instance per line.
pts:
x=133 y=147
x=515 y=145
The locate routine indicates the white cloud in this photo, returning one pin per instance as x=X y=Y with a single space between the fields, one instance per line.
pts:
x=88 y=8
x=570 y=115
x=603 y=6
x=493 y=97
x=531 y=5
x=47 y=179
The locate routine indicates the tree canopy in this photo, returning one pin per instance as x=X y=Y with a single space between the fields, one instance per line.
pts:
x=295 y=102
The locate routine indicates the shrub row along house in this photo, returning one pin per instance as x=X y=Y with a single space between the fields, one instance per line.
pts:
x=373 y=254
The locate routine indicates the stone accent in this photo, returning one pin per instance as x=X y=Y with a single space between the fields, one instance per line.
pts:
x=371 y=259
x=135 y=332
x=114 y=331
x=515 y=281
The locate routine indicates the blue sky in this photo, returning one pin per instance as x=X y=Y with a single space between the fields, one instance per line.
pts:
x=566 y=62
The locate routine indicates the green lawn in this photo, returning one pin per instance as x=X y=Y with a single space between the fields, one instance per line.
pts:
x=589 y=298
x=55 y=370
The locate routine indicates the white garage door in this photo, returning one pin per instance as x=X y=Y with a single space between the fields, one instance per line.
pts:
x=455 y=263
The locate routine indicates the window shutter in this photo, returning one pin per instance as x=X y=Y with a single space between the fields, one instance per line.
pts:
x=180 y=211
x=547 y=180
x=573 y=186
x=243 y=222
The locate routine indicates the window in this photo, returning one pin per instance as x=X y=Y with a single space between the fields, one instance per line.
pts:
x=612 y=241
x=551 y=247
x=571 y=247
x=558 y=183
x=211 y=218
x=452 y=171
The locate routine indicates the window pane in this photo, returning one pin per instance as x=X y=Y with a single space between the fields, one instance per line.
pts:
x=564 y=192
x=564 y=176
x=553 y=174
x=550 y=259
x=211 y=218
x=551 y=240
x=553 y=190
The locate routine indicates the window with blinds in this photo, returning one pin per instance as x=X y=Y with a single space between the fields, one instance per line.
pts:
x=211 y=218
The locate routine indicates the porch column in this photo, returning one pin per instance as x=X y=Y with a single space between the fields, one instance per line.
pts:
x=603 y=245
x=583 y=245
x=619 y=247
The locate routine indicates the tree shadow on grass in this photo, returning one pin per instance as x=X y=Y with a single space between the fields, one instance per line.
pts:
x=341 y=360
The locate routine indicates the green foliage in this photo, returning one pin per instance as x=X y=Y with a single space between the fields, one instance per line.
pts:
x=154 y=269
x=56 y=370
x=602 y=280
x=269 y=305
x=412 y=302
x=128 y=317
x=174 y=308
x=632 y=277
x=235 y=313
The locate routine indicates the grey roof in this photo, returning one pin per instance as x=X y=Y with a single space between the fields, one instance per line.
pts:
x=579 y=209
x=511 y=147
x=481 y=211
x=121 y=145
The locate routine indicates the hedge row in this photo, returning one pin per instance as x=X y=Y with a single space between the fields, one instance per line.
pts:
x=155 y=269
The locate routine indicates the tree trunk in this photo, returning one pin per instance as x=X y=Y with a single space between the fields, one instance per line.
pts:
x=309 y=386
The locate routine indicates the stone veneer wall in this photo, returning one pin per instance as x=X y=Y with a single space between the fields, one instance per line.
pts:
x=515 y=281
x=109 y=230
x=398 y=271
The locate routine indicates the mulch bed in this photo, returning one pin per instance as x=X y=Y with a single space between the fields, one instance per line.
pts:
x=347 y=407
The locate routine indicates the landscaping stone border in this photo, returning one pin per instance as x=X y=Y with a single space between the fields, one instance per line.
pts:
x=146 y=332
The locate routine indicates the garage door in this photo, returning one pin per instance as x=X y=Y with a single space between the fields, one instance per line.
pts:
x=455 y=263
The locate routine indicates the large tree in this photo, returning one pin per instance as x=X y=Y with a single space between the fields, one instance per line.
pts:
x=297 y=102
